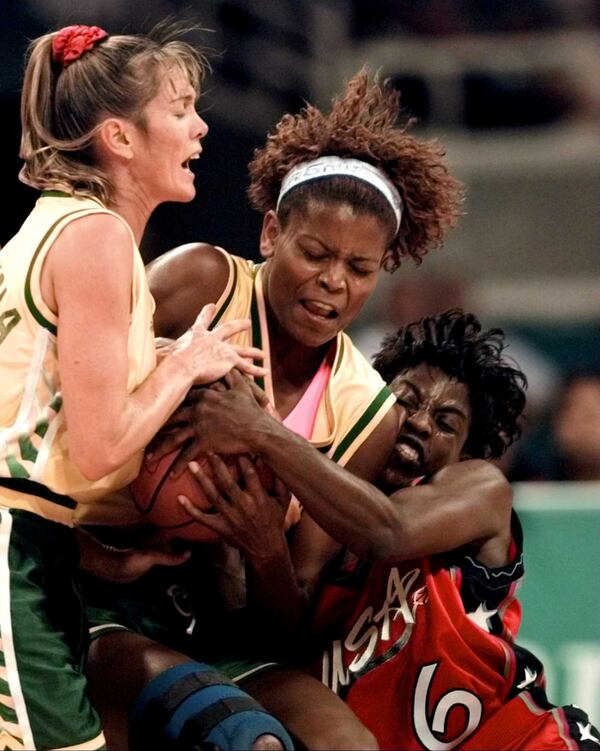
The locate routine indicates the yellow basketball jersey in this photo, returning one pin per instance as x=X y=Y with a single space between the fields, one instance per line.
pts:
x=352 y=405
x=356 y=398
x=33 y=440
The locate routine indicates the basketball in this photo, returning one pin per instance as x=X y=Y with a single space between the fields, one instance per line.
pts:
x=155 y=494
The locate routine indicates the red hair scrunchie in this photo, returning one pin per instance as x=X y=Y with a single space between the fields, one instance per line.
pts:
x=71 y=42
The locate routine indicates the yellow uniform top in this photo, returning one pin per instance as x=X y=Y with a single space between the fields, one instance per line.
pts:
x=352 y=405
x=356 y=398
x=33 y=442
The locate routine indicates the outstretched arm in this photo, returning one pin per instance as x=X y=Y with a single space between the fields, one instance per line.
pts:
x=465 y=503
x=122 y=565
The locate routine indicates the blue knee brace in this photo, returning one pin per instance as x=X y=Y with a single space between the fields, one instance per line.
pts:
x=192 y=706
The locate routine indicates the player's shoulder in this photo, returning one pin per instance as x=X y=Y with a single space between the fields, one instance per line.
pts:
x=192 y=264
x=97 y=242
x=182 y=281
x=97 y=228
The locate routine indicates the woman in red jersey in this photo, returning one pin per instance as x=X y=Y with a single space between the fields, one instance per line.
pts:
x=415 y=626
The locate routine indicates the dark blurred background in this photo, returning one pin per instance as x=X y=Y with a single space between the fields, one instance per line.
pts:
x=509 y=85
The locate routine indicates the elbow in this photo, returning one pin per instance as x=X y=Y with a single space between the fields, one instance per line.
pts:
x=93 y=464
x=92 y=474
x=388 y=543
x=384 y=549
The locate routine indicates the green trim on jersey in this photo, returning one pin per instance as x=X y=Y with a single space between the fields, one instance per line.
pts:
x=33 y=309
x=256 y=333
x=15 y=467
x=362 y=422
x=56 y=402
x=28 y=451
x=56 y=194
x=223 y=308
x=41 y=427
x=7 y=714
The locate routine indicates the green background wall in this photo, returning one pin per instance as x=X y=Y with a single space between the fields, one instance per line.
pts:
x=561 y=593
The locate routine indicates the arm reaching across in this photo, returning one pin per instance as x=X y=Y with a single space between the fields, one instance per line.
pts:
x=413 y=521
x=122 y=565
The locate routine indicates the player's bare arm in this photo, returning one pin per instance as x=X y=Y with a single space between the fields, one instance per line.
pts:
x=92 y=305
x=282 y=578
x=254 y=520
x=467 y=503
x=182 y=281
x=416 y=521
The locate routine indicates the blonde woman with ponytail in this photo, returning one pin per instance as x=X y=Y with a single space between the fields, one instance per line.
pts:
x=110 y=128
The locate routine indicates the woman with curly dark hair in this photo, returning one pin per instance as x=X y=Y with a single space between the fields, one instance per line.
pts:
x=362 y=125
x=415 y=623
x=343 y=195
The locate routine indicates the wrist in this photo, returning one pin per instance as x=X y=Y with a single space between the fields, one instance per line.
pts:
x=179 y=367
x=266 y=434
x=274 y=558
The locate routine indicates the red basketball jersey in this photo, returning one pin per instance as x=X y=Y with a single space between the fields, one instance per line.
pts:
x=427 y=655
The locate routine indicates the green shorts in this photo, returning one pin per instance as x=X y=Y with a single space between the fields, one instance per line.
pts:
x=43 y=638
x=175 y=607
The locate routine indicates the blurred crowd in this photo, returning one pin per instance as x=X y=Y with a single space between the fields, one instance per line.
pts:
x=440 y=17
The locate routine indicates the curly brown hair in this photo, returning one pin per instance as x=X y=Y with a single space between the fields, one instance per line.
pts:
x=363 y=125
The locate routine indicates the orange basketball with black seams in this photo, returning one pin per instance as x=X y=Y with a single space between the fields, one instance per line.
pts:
x=155 y=494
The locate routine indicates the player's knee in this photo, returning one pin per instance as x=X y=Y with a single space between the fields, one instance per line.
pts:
x=191 y=705
x=268 y=742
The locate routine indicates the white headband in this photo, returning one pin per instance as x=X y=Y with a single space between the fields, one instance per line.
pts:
x=328 y=166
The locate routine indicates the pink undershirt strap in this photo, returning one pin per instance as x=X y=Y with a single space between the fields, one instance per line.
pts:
x=301 y=419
